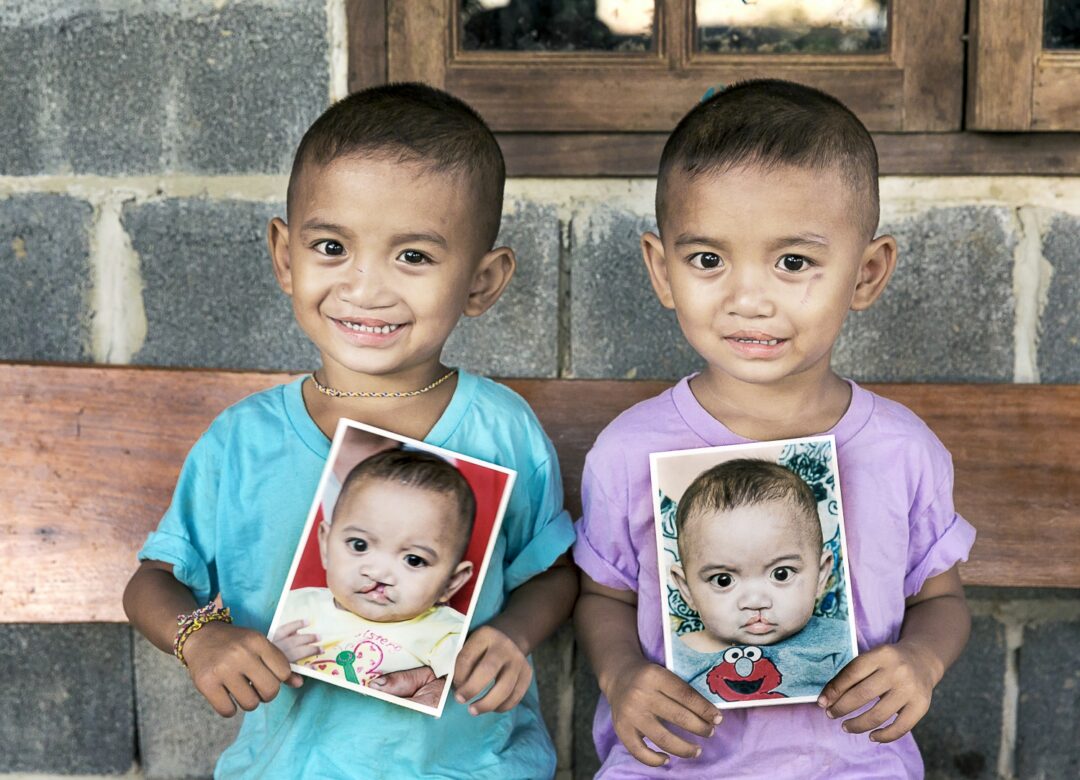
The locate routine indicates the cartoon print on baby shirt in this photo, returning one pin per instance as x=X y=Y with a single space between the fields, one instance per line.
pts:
x=359 y=665
x=745 y=675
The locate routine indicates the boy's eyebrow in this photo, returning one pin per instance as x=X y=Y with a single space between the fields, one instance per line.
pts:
x=800 y=239
x=431 y=238
x=431 y=553
x=788 y=557
x=323 y=227
x=685 y=239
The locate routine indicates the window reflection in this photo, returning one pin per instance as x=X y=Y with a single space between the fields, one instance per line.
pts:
x=1061 y=24
x=557 y=25
x=792 y=26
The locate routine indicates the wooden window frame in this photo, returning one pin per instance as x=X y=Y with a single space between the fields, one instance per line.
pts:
x=394 y=40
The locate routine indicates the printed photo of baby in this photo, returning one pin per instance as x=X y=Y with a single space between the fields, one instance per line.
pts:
x=752 y=563
x=381 y=590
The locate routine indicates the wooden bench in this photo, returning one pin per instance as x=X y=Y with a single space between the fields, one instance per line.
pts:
x=89 y=457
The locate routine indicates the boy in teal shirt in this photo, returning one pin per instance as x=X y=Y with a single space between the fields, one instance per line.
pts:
x=394 y=204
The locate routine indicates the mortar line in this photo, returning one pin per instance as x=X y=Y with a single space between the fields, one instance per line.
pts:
x=118 y=314
x=564 y=345
x=337 y=36
x=1010 y=701
x=1027 y=263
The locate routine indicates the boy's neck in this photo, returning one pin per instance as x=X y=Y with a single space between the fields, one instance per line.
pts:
x=802 y=405
x=414 y=416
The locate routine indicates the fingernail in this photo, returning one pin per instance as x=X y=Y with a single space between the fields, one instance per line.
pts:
x=822 y=701
x=830 y=713
x=712 y=731
x=844 y=726
x=697 y=752
x=460 y=698
x=717 y=719
x=873 y=738
x=472 y=710
x=378 y=682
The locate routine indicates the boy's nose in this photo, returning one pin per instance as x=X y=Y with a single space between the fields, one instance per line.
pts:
x=364 y=284
x=748 y=294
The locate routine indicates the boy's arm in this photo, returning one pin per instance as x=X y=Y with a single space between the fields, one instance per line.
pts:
x=644 y=696
x=902 y=676
x=227 y=663
x=498 y=652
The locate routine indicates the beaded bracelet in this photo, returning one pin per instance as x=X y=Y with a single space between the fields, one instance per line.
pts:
x=189 y=624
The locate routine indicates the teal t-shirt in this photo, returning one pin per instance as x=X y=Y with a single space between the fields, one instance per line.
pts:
x=236 y=517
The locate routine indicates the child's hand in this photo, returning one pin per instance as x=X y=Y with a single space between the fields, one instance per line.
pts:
x=419 y=685
x=645 y=699
x=489 y=656
x=231 y=664
x=293 y=644
x=899 y=676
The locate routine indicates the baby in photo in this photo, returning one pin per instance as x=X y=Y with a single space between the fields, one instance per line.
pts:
x=753 y=566
x=393 y=551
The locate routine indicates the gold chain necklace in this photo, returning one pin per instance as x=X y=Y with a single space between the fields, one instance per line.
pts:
x=333 y=392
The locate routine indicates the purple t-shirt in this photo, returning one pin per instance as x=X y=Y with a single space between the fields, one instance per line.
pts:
x=896 y=479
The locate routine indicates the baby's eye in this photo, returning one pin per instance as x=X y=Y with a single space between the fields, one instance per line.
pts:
x=415 y=561
x=412 y=257
x=357 y=545
x=330 y=248
x=722 y=580
x=794 y=263
x=783 y=573
x=706 y=261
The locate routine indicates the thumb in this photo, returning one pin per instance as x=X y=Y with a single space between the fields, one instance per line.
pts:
x=402 y=683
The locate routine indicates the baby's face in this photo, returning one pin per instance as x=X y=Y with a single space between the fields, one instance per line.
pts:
x=752 y=573
x=393 y=551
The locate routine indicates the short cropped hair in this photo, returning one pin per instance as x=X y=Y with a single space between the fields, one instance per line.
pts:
x=743 y=482
x=421 y=470
x=411 y=123
x=772 y=123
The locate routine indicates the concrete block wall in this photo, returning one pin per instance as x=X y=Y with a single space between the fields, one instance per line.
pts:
x=143 y=146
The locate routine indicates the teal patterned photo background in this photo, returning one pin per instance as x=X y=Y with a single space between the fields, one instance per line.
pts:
x=812 y=463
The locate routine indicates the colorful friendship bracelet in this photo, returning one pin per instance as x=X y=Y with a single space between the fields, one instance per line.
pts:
x=189 y=624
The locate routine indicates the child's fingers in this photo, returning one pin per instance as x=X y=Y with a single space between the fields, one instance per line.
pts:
x=522 y=687
x=686 y=697
x=275 y=660
x=850 y=676
x=468 y=658
x=478 y=679
x=219 y=699
x=905 y=721
x=639 y=750
x=859 y=695
x=881 y=712
x=295 y=680
x=286 y=629
x=264 y=682
x=677 y=714
x=501 y=692
x=242 y=692
x=670 y=743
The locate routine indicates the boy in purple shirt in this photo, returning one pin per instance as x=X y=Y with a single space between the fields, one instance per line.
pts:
x=767 y=203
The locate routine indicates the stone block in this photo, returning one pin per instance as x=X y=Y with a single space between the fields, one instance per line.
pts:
x=960 y=737
x=586 y=695
x=209 y=291
x=109 y=88
x=67 y=699
x=518 y=336
x=45 y=262
x=173 y=717
x=1049 y=712
x=618 y=328
x=1059 y=331
x=948 y=313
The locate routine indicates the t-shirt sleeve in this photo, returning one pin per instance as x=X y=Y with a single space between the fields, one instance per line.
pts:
x=604 y=549
x=186 y=534
x=537 y=540
x=938 y=537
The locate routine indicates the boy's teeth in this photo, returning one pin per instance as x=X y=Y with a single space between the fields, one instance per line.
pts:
x=369 y=328
x=770 y=342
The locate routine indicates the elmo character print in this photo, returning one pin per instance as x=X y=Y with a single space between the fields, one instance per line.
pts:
x=745 y=675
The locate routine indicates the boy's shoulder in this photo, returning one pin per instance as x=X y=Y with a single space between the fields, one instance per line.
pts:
x=498 y=413
x=898 y=435
x=650 y=424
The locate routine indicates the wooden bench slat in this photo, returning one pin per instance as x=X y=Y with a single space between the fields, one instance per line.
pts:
x=90 y=456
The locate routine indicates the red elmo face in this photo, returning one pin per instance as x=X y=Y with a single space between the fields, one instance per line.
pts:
x=744 y=676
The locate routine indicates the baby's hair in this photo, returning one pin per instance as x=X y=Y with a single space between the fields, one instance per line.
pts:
x=421 y=470
x=771 y=123
x=414 y=123
x=743 y=482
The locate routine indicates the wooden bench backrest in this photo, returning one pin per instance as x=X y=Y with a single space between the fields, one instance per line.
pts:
x=90 y=456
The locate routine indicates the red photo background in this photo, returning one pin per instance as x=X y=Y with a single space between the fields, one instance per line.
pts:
x=488 y=485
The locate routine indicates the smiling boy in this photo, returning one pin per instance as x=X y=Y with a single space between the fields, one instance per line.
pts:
x=393 y=209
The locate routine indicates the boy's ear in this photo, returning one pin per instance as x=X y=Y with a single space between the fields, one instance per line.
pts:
x=652 y=249
x=877 y=265
x=461 y=575
x=824 y=570
x=324 y=534
x=679 y=576
x=489 y=280
x=277 y=239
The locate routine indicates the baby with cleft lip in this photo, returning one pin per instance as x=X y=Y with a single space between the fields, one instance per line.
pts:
x=393 y=552
x=752 y=565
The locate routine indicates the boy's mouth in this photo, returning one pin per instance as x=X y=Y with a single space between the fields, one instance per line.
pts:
x=376 y=592
x=755 y=344
x=368 y=326
x=758 y=625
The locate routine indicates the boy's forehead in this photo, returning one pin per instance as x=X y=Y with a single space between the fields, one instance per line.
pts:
x=374 y=497
x=789 y=518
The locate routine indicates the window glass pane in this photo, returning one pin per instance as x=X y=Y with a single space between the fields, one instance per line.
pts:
x=557 y=25
x=1061 y=25
x=792 y=26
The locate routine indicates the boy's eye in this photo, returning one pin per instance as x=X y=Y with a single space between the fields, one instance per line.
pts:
x=412 y=257
x=706 y=261
x=793 y=263
x=357 y=545
x=415 y=561
x=330 y=248
x=722 y=580
x=783 y=573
